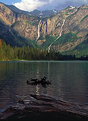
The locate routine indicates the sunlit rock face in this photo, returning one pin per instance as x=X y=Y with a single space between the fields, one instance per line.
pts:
x=67 y=35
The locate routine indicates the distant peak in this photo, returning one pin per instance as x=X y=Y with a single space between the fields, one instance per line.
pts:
x=84 y=6
x=70 y=7
x=2 y=3
x=55 y=11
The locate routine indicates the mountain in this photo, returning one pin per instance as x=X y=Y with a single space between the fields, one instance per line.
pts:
x=36 y=13
x=44 y=14
x=8 y=19
x=16 y=10
x=65 y=31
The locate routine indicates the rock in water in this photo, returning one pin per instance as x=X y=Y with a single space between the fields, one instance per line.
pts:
x=45 y=108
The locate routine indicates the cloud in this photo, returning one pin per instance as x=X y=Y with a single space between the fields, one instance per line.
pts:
x=50 y=1
x=29 y=5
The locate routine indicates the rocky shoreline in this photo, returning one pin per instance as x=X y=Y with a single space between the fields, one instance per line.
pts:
x=43 y=108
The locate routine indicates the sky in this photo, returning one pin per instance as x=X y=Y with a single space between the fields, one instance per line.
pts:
x=30 y=5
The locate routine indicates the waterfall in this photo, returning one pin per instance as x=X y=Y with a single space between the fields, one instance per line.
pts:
x=39 y=29
x=58 y=36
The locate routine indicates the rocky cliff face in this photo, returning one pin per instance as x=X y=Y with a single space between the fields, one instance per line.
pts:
x=22 y=23
x=76 y=21
x=6 y=15
x=53 y=25
x=26 y=30
x=9 y=17
x=69 y=27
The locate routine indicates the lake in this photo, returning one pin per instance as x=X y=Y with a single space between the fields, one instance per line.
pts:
x=69 y=80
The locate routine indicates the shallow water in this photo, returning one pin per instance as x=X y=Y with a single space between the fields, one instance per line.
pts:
x=69 y=80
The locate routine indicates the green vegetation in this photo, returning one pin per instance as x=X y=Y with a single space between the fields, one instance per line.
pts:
x=41 y=37
x=35 y=23
x=70 y=10
x=12 y=37
x=16 y=23
x=31 y=43
x=79 y=51
x=49 y=40
x=15 y=53
x=69 y=37
x=66 y=13
x=26 y=53
x=84 y=18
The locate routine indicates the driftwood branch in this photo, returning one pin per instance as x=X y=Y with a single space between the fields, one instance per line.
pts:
x=47 y=108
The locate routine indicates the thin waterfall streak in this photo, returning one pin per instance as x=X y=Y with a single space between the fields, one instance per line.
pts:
x=58 y=36
x=39 y=29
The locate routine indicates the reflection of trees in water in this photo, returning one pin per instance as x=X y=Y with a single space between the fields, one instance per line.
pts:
x=73 y=81
x=37 y=86
x=55 y=77
x=7 y=75
x=69 y=79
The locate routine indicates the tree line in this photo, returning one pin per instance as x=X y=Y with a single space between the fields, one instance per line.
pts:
x=27 y=53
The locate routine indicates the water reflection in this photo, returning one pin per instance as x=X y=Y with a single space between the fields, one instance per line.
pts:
x=37 y=89
x=69 y=80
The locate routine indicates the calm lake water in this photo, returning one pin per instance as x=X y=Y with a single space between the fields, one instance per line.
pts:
x=69 y=80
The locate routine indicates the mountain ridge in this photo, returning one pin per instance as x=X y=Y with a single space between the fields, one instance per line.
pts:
x=61 y=32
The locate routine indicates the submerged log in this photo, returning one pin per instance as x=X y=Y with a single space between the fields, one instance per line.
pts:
x=43 y=82
x=45 y=108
